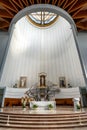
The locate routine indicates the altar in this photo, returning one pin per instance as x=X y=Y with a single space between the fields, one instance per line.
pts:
x=43 y=105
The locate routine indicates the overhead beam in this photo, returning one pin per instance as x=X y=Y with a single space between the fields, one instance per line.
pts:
x=5 y=20
x=69 y=2
x=21 y=4
x=81 y=14
x=27 y=3
x=3 y=24
x=32 y=1
x=54 y=2
x=5 y=14
x=65 y=3
x=77 y=5
x=16 y=2
x=82 y=27
x=16 y=9
x=60 y=2
x=7 y=4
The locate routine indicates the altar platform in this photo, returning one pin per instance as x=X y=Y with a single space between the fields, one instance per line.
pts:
x=59 y=110
x=63 y=118
x=43 y=105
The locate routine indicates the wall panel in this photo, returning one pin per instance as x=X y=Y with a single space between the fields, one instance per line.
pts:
x=51 y=50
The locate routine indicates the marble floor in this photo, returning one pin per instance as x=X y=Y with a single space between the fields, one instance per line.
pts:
x=59 y=110
x=85 y=128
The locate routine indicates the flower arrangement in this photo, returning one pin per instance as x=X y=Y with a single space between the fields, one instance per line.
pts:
x=50 y=106
x=34 y=106
x=78 y=105
x=24 y=101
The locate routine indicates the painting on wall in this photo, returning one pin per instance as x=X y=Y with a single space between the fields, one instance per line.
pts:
x=23 y=81
x=62 y=82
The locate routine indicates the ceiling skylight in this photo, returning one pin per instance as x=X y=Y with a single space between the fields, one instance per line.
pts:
x=42 y=18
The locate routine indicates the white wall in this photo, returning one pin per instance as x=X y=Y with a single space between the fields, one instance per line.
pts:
x=15 y=92
x=51 y=50
x=64 y=93
x=68 y=93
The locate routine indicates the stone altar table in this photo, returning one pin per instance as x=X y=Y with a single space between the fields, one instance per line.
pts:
x=43 y=104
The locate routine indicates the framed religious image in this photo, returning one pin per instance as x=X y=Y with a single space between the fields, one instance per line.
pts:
x=62 y=82
x=23 y=81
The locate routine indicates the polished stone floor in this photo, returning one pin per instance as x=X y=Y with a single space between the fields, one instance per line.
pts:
x=55 y=129
x=59 y=110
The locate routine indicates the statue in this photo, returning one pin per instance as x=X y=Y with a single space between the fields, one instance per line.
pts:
x=45 y=92
x=42 y=79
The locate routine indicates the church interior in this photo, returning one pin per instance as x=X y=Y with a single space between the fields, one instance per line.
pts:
x=43 y=64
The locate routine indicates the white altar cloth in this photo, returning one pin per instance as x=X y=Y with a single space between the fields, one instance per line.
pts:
x=42 y=104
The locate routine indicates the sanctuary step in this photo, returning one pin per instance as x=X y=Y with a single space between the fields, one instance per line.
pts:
x=54 y=121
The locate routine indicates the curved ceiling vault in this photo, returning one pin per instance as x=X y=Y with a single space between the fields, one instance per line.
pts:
x=76 y=8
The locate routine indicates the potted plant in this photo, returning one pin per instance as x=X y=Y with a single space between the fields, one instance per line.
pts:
x=50 y=106
x=24 y=102
x=78 y=106
x=34 y=106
